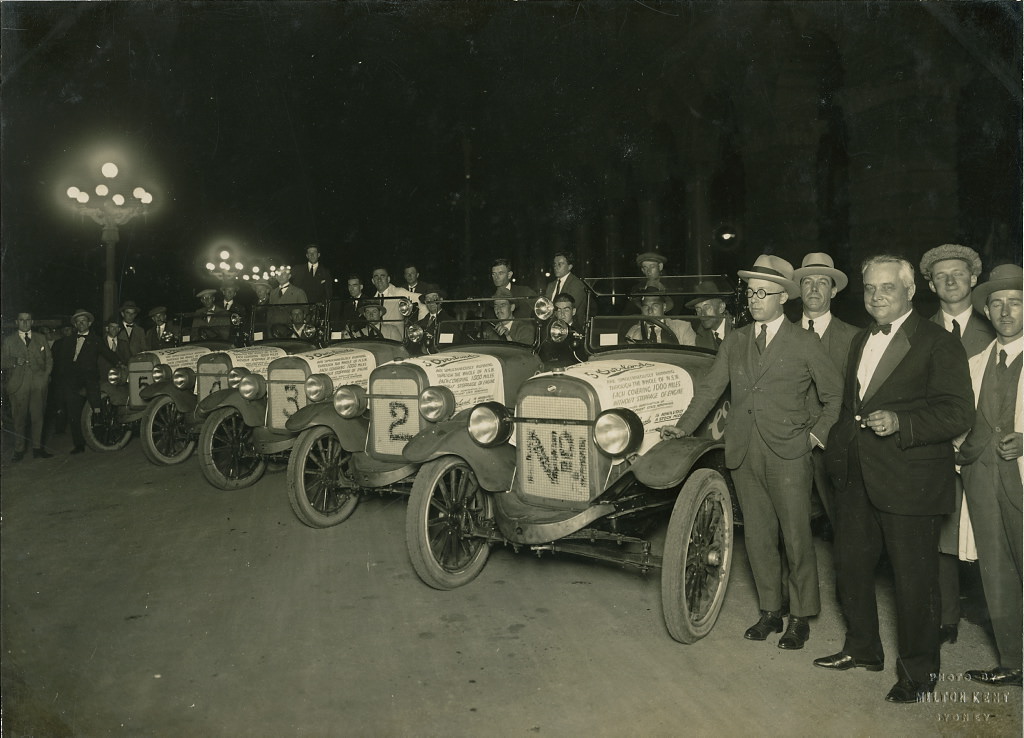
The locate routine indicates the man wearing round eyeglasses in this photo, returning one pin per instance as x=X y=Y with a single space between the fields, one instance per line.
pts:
x=771 y=368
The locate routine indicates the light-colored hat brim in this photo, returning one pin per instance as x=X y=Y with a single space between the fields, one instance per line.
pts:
x=838 y=278
x=791 y=287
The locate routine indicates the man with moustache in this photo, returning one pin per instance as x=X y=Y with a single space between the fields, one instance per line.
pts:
x=162 y=333
x=907 y=395
x=27 y=361
x=992 y=467
x=771 y=366
x=715 y=322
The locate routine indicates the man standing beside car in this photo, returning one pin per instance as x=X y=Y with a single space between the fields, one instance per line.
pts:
x=771 y=367
x=28 y=362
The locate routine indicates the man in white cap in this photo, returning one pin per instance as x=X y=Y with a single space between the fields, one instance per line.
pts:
x=820 y=282
x=771 y=367
x=992 y=466
x=952 y=271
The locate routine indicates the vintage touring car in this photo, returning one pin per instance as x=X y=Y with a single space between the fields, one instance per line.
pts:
x=576 y=465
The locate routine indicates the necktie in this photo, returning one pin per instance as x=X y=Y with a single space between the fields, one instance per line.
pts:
x=1001 y=363
x=718 y=339
x=113 y=344
x=762 y=338
x=875 y=328
x=312 y=270
x=26 y=337
x=78 y=345
x=657 y=334
x=810 y=326
x=558 y=287
x=956 y=329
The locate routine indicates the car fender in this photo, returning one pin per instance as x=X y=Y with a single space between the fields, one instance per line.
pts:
x=670 y=462
x=494 y=467
x=184 y=400
x=351 y=432
x=253 y=412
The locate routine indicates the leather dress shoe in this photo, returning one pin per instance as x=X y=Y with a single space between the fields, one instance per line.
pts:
x=948 y=633
x=770 y=622
x=797 y=633
x=78 y=450
x=18 y=456
x=907 y=691
x=41 y=453
x=997 y=677
x=842 y=661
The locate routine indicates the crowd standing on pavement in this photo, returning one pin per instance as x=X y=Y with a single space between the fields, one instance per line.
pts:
x=909 y=430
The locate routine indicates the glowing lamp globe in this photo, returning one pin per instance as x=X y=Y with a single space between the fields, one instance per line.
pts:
x=109 y=170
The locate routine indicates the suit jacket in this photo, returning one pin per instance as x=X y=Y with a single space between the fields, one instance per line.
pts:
x=24 y=376
x=682 y=329
x=153 y=340
x=292 y=295
x=975 y=336
x=706 y=339
x=923 y=378
x=85 y=372
x=128 y=347
x=316 y=286
x=769 y=395
x=522 y=331
x=575 y=287
x=977 y=365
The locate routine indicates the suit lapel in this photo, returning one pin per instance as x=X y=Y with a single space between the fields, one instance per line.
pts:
x=894 y=353
x=760 y=367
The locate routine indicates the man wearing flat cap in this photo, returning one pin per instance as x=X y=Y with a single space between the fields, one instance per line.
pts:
x=952 y=271
x=652 y=266
x=820 y=282
x=715 y=322
x=992 y=467
x=771 y=367
x=131 y=337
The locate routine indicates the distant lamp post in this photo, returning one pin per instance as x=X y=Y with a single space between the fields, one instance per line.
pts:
x=110 y=210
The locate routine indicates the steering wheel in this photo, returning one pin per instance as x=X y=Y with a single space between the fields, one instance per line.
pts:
x=667 y=336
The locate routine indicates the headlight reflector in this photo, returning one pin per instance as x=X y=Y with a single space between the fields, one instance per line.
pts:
x=490 y=424
x=252 y=387
x=184 y=378
x=161 y=373
x=558 y=331
x=414 y=334
x=236 y=375
x=618 y=432
x=350 y=401
x=319 y=387
x=437 y=404
x=116 y=375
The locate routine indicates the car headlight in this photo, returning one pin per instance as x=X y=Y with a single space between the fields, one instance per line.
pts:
x=236 y=319
x=117 y=375
x=618 y=432
x=490 y=424
x=318 y=387
x=309 y=331
x=184 y=378
x=437 y=404
x=558 y=331
x=543 y=308
x=161 y=373
x=350 y=401
x=404 y=307
x=414 y=334
x=236 y=375
x=252 y=387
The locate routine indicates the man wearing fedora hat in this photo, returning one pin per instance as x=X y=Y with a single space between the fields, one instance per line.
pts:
x=131 y=338
x=715 y=322
x=432 y=300
x=771 y=366
x=992 y=467
x=820 y=282
x=654 y=303
x=652 y=266
x=372 y=311
x=28 y=362
x=507 y=328
x=952 y=271
x=162 y=332
x=76 y=363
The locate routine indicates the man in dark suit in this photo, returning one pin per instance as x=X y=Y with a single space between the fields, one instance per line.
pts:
x=131 y=338
x=770 y=367
x=435 y=316
x=992 y=467
x=566 y=282
x=77 y=365
x=907 y=395
x=313 y=278
x=952 y=271
x=506 y=328
x=820 y=282
x=715 y=321
x=27 y=361
x=162 y=333
x=501 y=276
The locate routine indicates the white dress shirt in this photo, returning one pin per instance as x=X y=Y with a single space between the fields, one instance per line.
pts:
x=874 y=347
x=961 y=319
x=773 y=328
x=820 y=323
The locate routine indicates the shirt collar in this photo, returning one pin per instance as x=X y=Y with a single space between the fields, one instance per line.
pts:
x=820 y=323
x=1012 y=349
x=773 y=326
x=961 y=319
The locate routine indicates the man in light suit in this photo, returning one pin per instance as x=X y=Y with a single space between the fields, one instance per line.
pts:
x=654 y=304
x=131 y=338
x=567 y=282
x=992 y=466
x=820 y=282
x=27 y=360
x=907 y=395
x=770 y=367
x=715 y=321
x=952 y=271
x=389 y=296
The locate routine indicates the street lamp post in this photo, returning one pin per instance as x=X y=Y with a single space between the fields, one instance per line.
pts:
x=111 y=210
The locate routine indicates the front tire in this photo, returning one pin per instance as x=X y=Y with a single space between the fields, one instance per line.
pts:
x=103 y=431
x=447 y=510
x=227 y=456
x=698 y=556
x=167 y=438
x=319 y=489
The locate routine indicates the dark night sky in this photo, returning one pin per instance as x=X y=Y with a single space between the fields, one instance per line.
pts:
x=272 y=125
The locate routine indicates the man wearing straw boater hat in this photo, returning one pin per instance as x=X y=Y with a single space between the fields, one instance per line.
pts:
x=992 y=466
x=771 y=367
x=820 y=282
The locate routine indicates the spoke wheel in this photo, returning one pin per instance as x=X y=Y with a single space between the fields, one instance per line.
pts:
x=319 y=488
x=166 y=434
x=103 y=431
x=698 y=556
x=227 y=456
x=447 y=510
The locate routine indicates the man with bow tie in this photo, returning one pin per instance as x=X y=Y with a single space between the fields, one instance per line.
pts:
x=131 y=338
x=907 y=395
x=27 y=361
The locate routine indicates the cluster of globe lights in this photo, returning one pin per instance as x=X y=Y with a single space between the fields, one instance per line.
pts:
x=109 y=170
x=227 y=269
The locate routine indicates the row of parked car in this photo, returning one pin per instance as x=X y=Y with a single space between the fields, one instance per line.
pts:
x=491 y=446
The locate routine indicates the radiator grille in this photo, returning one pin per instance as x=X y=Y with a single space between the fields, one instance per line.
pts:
x=553 y=458
x=286 y=395
x=213 y=376
x=396 y=418
x=140 y=374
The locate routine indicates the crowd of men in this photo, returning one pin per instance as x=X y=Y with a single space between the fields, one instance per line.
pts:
x=909 y=430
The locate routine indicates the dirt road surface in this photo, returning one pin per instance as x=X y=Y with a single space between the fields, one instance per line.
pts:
x=138 y=600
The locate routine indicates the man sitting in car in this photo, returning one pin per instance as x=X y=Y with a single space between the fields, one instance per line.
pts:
x=654 y=304
x=506 y=328
x=372 y=312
